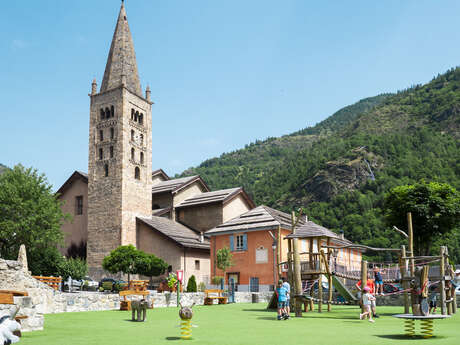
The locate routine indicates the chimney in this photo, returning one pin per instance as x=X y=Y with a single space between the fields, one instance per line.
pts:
x=201 y=237
x=341 y=235
x=305 y=219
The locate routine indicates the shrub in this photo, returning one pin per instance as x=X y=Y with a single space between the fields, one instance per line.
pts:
x=107 y=286
x=201 y=287
x=75 y=268
x=191 y=285
x=216 y=280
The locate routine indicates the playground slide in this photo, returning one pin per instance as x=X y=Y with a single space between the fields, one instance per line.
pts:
x=342 y=289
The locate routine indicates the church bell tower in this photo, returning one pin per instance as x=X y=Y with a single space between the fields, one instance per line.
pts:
x=120 y=152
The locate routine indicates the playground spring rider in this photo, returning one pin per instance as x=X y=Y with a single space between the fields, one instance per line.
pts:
x=186 y=314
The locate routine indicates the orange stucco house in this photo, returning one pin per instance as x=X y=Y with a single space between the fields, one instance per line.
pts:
x=257 y=241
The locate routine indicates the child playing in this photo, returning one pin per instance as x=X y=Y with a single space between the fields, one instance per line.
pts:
x=367 y=298
x=282 y=298
x=433 y=297
x=378 y=281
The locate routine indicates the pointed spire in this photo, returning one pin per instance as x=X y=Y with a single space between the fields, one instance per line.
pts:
x=121 y=68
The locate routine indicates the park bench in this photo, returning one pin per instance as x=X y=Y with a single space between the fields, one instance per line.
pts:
x=138 y=285
x=212 y=294
x=53 y=282
x=125 y=304
x=7 y=297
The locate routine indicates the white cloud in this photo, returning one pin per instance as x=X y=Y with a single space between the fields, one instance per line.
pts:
x=18 y=44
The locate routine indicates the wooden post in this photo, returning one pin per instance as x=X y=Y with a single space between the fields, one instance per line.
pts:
x=405 y=283
x=290 y=273
x=329 y=280
x=297 y=273
x=310 y=249
x=411 y=243
x=454 y=296
x=320 y=284
x=443 y=282
x=363 y=280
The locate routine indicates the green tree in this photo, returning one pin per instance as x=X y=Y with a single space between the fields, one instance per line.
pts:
x=123 y=259
x=191 y=285
x=30 y=214
x=46 y=262
x=224 y=259
x=149 y=265
x=435 y=209
x=75 y=268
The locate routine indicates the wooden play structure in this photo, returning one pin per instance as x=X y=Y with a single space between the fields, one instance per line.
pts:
x=412 y=271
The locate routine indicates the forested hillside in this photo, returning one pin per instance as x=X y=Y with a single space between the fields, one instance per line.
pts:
x=340 y=169
x=2 y=168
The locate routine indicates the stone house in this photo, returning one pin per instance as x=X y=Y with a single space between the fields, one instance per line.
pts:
x=121 y=201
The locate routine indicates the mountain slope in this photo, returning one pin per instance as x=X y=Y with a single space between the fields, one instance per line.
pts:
x=340 y=169
x=248 y=166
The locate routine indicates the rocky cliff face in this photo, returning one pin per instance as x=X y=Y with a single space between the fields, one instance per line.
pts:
x=346 y=174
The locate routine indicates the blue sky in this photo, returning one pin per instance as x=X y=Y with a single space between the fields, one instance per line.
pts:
x=222 y=73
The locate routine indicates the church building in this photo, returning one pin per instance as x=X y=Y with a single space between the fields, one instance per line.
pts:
x=120 y=201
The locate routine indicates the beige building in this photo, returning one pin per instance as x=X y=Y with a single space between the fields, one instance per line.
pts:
x=121 y=201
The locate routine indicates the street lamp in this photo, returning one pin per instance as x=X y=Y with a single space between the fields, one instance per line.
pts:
x=274 y=264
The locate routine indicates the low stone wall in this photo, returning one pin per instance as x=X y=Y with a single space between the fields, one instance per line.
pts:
x=93 y=301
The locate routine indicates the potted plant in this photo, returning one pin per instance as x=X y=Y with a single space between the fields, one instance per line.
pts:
x=172 y=282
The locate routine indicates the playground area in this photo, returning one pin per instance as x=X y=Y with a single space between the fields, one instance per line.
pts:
x=234 y=324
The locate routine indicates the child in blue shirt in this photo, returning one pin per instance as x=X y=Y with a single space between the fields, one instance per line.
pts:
x=282 y=298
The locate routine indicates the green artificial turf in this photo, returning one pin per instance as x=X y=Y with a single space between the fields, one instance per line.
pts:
x=235 y=324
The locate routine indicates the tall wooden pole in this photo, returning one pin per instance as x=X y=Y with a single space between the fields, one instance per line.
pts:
x=411 y=243
x=454 y=296
x=363 y=280
x=443 y=282
x=297 y=273
x=329 y=280
x=405 y=283
x=320 y=280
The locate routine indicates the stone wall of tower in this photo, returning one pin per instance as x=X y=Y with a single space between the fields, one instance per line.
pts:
x=137 y=193
x=114 y=201
x=104 y=192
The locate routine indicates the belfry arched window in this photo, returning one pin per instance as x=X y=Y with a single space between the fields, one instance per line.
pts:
x=132 y=153
x=142 y=157
x=137 y=173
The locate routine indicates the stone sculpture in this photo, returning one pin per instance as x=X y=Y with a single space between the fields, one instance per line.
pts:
x=141 y=308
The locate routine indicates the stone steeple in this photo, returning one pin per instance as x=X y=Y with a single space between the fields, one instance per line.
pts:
x=121 y=68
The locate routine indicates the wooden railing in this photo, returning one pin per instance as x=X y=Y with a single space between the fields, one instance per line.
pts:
x=50 y=281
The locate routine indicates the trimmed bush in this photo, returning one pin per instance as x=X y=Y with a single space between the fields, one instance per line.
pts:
x=191 y=285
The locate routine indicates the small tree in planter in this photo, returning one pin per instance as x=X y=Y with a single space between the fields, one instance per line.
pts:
x=123 y=259
x=191 y=285
x=149 y=265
